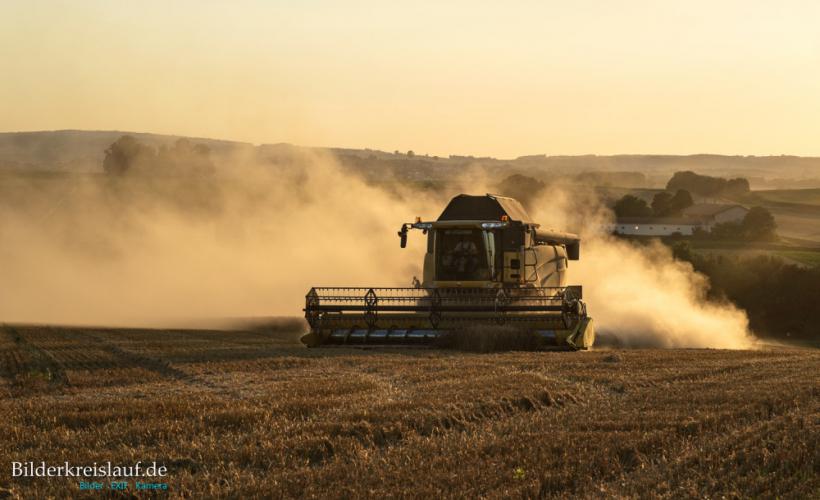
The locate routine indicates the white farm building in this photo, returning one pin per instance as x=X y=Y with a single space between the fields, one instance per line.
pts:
x=713 y=213
x=703 y=216
x=654 y=226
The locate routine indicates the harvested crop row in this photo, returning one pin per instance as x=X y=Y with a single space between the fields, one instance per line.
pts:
x=232 y=420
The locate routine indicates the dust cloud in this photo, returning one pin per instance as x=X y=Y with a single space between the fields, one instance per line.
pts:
x=639 y=294
x=247 y=241
x=250 y=240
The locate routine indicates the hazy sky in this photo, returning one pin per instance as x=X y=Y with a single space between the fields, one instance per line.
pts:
x=495 y=78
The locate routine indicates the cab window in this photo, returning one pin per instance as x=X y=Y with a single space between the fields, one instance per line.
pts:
x=461 y=255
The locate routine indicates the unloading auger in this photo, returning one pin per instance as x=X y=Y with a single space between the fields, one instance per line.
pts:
x=486 y=263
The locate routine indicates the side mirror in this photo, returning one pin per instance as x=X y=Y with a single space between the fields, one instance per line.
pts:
x=574 y=250
x=403 y=236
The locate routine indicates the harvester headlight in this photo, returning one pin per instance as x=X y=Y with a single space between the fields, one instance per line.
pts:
x=423 y=225
x=493 y=225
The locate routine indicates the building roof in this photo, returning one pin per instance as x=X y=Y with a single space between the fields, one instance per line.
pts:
x=709 y=209
x=660 y=221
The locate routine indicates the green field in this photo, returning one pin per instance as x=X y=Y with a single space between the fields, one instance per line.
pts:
x=796 y=196
x=797 y=212
x=800 y=256
x=808 y=258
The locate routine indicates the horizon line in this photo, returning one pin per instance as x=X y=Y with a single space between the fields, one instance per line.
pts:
x=478 y=157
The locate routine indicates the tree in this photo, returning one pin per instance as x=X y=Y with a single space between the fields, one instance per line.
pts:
x=185 y=157
x=731 y=231
x=680 y=202
x=665 y=204
x=682 y=250
x=759 y=224
x=124 y=154
x=411 y=154
x=699 y=233
x=662 y=204
x=632 y=206
x=702 y=185
x=521 y=187
x=736 y=187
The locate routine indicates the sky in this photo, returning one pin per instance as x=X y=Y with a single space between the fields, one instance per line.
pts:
x=500 y=79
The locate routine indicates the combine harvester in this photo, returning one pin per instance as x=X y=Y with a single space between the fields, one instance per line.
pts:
x=486 y=263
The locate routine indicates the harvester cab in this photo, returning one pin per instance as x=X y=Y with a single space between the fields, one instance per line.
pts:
x=490 y=241
x=486 y=262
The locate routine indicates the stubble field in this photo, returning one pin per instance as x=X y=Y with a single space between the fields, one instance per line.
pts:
x=252 y=414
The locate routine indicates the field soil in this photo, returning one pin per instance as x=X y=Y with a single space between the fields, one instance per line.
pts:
x=254 y=414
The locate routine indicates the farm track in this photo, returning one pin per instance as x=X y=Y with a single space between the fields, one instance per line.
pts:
x=128 y=357
x=249 y=414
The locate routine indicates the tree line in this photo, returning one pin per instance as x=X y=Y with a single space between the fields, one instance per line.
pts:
x=664 y=204
x=127 y=155
x=779 y=298
x=707 y=186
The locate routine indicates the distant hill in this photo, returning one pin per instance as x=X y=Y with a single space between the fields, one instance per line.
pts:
x=83 y=151
x=80 y=150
